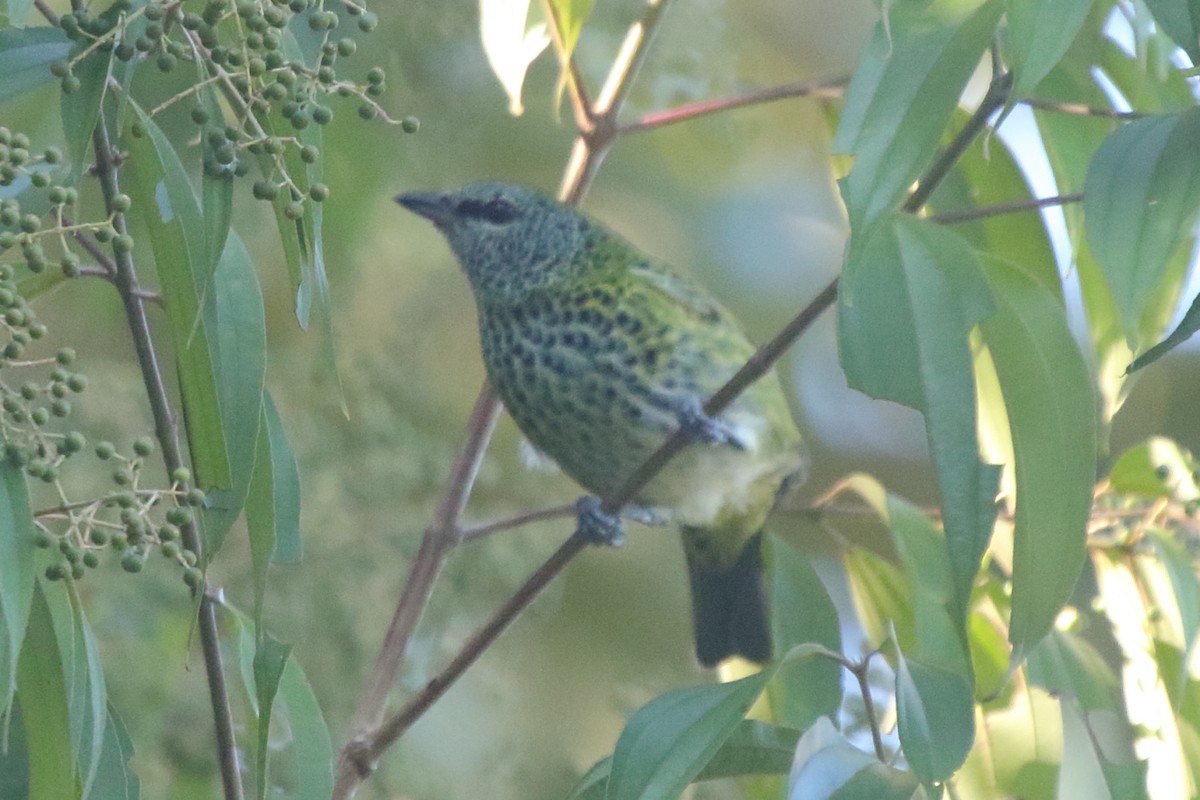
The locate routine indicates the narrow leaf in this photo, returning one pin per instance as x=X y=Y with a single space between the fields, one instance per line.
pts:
x=273 y=503
x=115 y=778
x=1140 y=201
x=668 y=741
x=1039 y=34
x=270 y=658
x=907 y=84
x=1183 y=331
x=571 y=15
x=81 y=108
x=1051 y=408
x=16 y=574
x=53 y=774
x=1180 y=19
x=162 y=190
x=511 y=41
x=25 y=58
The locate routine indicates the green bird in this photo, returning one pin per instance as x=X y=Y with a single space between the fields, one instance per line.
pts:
x=599 y=353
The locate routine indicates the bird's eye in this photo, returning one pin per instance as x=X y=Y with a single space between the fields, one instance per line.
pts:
x=497 y=211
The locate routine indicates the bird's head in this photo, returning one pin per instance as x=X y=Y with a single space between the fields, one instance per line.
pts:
x=509 y=239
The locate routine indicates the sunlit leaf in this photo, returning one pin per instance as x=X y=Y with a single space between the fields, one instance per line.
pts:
x=513 y=36
x=571 y=15
x=882 y=598
x=935 y=714
x=1158 y=467
x=16 y=574
x=827 y=767
x=801 y=612
x=1018 y=749
x=1051 y=409
x=907 y=84
x=25 y=58
x=668 y=741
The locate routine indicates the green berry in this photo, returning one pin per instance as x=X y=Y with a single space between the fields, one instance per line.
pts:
x=193 y=577
x=179 y=516
x=318 y=192
x=91 y=559
x=41 y=539
x=170 y=550
x=77 y=382
x=194 y=497
x=144 y=446
x=181 y=475
x=410 y=124
x=121 y=203
x=105 y=451
x=132 y=561
x=65 y=356
x=199 y=115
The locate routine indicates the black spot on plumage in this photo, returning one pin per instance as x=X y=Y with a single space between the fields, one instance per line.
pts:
x=636 y=326
x=650 y=356
x=568 y=339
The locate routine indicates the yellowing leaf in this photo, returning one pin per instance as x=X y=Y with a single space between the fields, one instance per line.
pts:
x=511 y=43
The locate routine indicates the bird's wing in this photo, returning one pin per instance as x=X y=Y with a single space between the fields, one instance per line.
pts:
x=684 y=294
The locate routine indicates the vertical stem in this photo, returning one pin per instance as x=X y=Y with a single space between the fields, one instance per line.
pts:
x=166 y=430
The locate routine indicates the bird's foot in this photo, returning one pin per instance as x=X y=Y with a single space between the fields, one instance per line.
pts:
x=700 y=427
x=597 y=526
x=646 y=515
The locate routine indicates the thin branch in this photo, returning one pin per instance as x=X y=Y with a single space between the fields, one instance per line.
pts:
x=860 y=671
x=516 y=521
x=825 y=89
x=983 y=212
x=1080 y=109
x=44 y=8
x=93 y=249
x=126 y=280
x=581 y=105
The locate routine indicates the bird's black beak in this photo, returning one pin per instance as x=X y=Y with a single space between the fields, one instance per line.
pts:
x=432 y=206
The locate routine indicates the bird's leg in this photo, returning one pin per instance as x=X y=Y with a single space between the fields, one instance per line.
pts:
x=597 y=526
x=700 y=427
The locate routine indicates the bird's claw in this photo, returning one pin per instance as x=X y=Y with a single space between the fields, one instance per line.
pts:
x=597 y=526
x=700 y=427
x=646 y=515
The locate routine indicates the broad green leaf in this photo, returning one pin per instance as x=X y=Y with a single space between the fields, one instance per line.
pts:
x=909 y=297
x=81 y=108
x=14 y=756
x=216 y=187
x=1185 y=594
x=513 y=34
x=1051 y=408
x=115 y=778
x=1180 y=19
x=827 y=766
x=987 y=175
x=1066 y=665
x=907 y=84
x=53 y=773
x=177 y=234
x=233 y=309
x=1158 y=467
x=882 y=598
x=270 y=659
x=668 y=741
x=935 y=715
x=801 y=612
x=16 y=574
x=1140 y=201
x=25 y=58
x=1039 y=34
x=1018 y=749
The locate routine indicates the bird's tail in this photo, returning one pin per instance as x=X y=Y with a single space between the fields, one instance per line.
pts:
x=729 y=609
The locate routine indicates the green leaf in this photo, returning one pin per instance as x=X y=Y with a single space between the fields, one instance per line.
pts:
x=1051 y=409
x=1185 y=587
x=801 y=612
x=987 y=174
x=907 y=84
x=668 y=741
x=571 y=15
x=1180 y=19
x=1018 y=750
x=270 y=658
x=828 y=766
x=1140 y=201
x=514 y=34
x=1039 y=34
x=882 y=598
x=935 y=715
x=1183 y=331
x=81 y=108
x=1064 y=664
x=53 y=773
x=14 y=756
x=233 y=310
x=115 y=778
x=1158 y=467
x=273 y=503
x=920 y=289
x=25 y=58
x=18 y=12
x=216 y=188
x=177 y=234
x=16 y=574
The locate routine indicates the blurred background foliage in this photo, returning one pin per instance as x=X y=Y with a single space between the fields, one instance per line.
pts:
x=745 y=200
